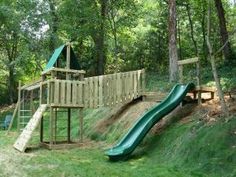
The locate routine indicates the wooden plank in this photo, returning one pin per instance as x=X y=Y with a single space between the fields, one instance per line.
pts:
x=114 y=89
x=143 y=81
x=105 y=90
x=80 y=95
x=52 y=91
x=19 y=106
x=100 y=92
x=118 y=88
x=56 y=92
x=68 y=56
x=53 y=69
x=125 y=86
x=51 y=122
x=110 y=90
x=86 y=93
x=24 y=138
x=181 y=78
x=68 y=92
x=96 y=97
x=128 y=86
x=63 y=92
x=74 y=92
x=188 y=61
x=91 y=92
x=81 y=124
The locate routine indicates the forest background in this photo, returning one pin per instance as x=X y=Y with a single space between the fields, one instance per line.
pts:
x=110 y=36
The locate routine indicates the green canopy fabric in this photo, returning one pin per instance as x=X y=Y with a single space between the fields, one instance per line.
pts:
x=74 y=64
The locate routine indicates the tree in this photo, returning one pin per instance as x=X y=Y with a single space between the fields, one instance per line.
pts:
x=223 y=30
x=10 y=38
x=173 y=56
x=191 y=28
x=213 y=64
x=53 y=25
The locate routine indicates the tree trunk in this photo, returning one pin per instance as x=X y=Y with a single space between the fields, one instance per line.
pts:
x=204 y=45
x=191 y=29
x=11 y=84
x=101 y=60
x=179 y=39
x=53 y=25
x=213 y=65
x=111 y=18
x=223 y=30
x=173 y=56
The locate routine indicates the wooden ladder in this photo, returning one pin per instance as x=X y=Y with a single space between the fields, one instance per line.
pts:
x=24 y=118
x=24 y=138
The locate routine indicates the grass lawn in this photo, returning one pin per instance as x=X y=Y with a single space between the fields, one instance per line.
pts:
x=180 y=150
x=191 y=148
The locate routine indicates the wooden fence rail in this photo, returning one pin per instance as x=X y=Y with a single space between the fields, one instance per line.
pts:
x=93 y=92
x=108 y=90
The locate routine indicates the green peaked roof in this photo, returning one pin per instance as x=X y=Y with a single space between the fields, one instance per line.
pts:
x=74 y=64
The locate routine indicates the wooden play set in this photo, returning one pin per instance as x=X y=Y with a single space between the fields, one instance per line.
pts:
x=63 y=87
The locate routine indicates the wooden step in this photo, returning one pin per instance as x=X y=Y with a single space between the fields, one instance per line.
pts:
x=24 y=138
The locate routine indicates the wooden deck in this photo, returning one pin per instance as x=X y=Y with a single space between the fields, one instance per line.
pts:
x=204 y=89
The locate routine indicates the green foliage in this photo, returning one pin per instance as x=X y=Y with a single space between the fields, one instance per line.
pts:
x=135 y=35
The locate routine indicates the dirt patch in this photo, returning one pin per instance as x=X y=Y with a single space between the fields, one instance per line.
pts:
x=124 y=115
x=181 y=114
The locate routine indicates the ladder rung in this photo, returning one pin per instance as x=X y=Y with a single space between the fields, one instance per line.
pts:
x=26 y=110
x=25 y=116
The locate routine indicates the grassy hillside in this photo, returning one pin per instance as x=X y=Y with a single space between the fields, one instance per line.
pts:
x=201 y=144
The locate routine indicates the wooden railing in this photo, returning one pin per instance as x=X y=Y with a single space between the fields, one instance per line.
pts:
x=108 y=90
x=62 y=93
x=93 y=92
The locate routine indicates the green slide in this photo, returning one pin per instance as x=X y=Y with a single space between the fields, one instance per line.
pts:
x=135 y=135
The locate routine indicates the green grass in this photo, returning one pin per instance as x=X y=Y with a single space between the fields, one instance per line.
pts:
x=193 y=149
x=188 y=149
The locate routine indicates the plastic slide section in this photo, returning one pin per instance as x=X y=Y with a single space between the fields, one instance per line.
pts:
x=136 y=134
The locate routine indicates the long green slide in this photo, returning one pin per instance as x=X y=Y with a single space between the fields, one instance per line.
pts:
x=136 y=134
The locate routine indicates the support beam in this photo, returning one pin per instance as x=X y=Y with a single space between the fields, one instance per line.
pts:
x=41 y=130
x=51 y=129
x=181 y=79
x=81 y=124
x=198 y=82
x=69 y=125
x=68 y=60
x=19 y=106
x=13 y=117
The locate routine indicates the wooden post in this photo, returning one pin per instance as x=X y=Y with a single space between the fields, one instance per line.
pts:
x=143 y=81
x=13 y=117
x=81 y=78
x=41 y=130
x=19 y=106
x=198 y=81
x=81 y=124
x=32 y=108
x=51 y=131
x=68 y=60
x=41 y=94
x=55 y=126
x=181 y=73
x=68 y=125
